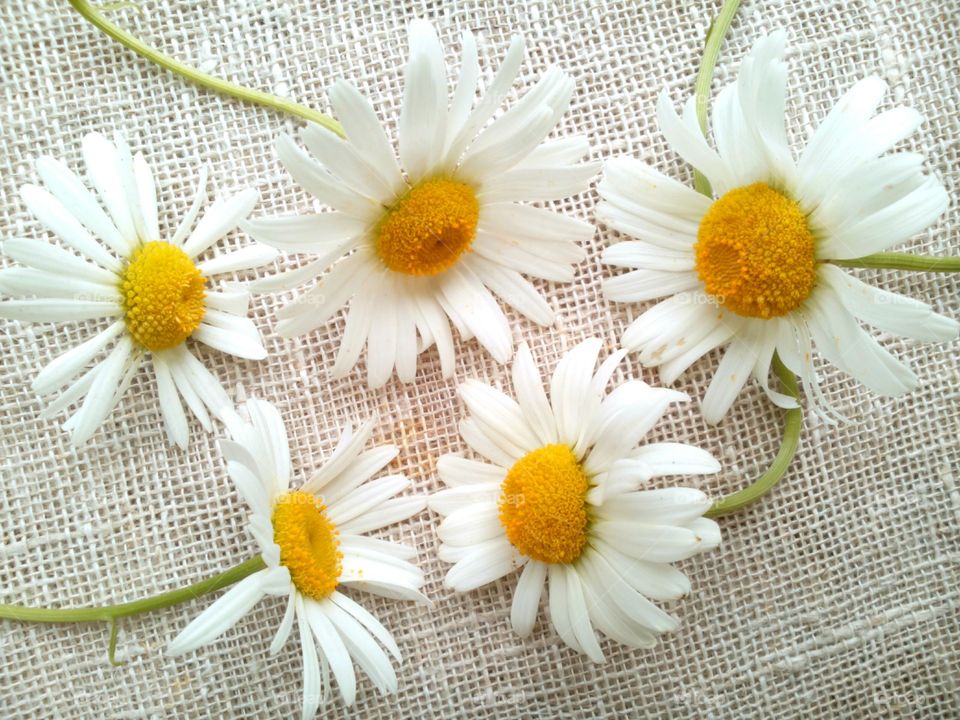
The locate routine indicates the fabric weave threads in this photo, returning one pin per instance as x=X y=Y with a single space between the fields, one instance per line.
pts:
x=835 y=597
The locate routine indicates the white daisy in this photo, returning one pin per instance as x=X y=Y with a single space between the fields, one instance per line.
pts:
x=312 y=541
x=155 y=289
x=752 y=270
x=433 y=236
x=560 y=497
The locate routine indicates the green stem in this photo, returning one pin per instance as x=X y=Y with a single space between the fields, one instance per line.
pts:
x=716 y=33
x=788 y=448
x=903 y=261
x=95 y=17
x=110 y=613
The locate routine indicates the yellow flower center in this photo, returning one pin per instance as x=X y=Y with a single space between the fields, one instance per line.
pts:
x=163 y=295
x=308 y=542
x=429 y=228
x=755 y=252
x=543 y=505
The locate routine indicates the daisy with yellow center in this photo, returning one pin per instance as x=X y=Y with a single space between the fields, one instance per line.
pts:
x=427 y=241
x=316 y=553
x=151 y=285
x=564 y=492
x=753 y=269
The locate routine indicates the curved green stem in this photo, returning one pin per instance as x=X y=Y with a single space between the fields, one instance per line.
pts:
x=716 y=33
x=788 y=448
x=110 y=613
x=96 y=17
x=903 y=261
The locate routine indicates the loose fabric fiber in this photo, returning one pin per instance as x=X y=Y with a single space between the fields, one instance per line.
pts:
x=836 y=596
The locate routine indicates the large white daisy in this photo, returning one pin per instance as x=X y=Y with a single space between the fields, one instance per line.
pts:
x=149 y=282
x=751 y=270
x=563 y=493
x=313 y=544
x=432 y=237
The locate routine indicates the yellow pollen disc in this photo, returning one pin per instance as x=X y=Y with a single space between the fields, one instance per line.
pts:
x=429 y=228
x=163 y=295
x=755 y=252
x=309 y=544
x=543 y=505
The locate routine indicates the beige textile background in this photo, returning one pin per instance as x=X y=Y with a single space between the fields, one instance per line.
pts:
x=836 y=596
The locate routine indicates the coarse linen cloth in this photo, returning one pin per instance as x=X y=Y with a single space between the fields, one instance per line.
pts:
x=835 y=596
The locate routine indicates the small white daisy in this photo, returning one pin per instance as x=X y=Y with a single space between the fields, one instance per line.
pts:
x=752 y=269
x=560 y=497
x=155 y=288
x=430 y=237
x=312 y=541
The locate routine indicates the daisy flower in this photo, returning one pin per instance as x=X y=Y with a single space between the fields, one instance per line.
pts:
x=752 y=269
x=430 y=239
x=313 y=544
x=559 y=494
x=155 y=290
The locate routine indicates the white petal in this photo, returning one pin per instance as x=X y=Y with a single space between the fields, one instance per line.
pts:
x=219 y=219
x=456 y=471
x=361 y=647
x=323 y=233
x=888 y=311
x=490 y=101
x=479 y=312
x=895 y=223
x=252 y=256
x=174 y=419
x=244 y=344
x=314 y=178
x=286 y=624
x=80 y=202
x=315 y=307
x=579 y=617
x=343 y=160
x=57 y=310
x=368 y=621
x=841 y=340
x=147 y=195
x=64 y=367
x=365 y=498
x=222 y=614
x=433 y=317
x=728 y=380
x=365 y=133
x=637 y=254
x=199 y=196
x=498 y=414
x=570 y=389
x=390 y=512
x=526 y=597
x=465 y=93
x=312 y=685
x=642 y=285
x=671 y=458
x=511 y=288
x=480 y=567
x=101 y=398
x=528 y=386
x=690 y=145
x=423 y=116
x=50 y=258
x=559 y=606
x=333 y=649
x=629 y=183
x=531 y=183
x=103 y=168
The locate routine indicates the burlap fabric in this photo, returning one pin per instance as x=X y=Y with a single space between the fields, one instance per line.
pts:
x=836 y=596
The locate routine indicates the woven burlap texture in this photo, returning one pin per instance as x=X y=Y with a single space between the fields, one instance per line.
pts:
x=836 y=596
